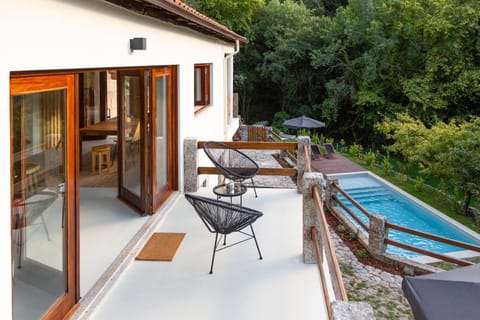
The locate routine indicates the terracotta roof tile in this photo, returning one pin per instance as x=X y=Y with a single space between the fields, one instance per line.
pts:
x=200 y=15
x=177 y=12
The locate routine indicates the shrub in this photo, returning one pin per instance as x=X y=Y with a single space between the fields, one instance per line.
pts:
x=370 y=158
x=341 y=228
x=386 y=166
x=355 y=150
x=419 y=183
x=408 y=271
x=278 y=119
x=361 y=253
x=352 y=236
x=303 y=132
x=316 y=139
x=403 y=177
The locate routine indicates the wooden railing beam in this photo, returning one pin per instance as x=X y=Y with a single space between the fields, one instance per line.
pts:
x=428 y=253
x=257 y=145
x=351 y=213
x=434 y=237
x=323 y=279
x=288 y=172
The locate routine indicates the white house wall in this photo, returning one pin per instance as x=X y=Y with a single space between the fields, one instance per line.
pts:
x=40 y=35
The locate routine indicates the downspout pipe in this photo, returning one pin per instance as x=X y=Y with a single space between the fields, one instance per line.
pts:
x=229 y=94
x=237 y=49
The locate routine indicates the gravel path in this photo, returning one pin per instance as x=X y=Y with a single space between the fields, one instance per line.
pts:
x=366 y=283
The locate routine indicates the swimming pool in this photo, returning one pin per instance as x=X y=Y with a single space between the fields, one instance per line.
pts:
x=378 y=196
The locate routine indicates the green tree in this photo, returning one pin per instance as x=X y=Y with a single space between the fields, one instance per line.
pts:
x=275 y=65
x=288 y=35
x=381 y=57
x=447 y=150
x=236 y=15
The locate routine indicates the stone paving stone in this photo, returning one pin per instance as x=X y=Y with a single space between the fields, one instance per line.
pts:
x=265 y=159
x=366 y=283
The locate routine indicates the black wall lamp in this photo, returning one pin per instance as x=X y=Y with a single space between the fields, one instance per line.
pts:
x=138 y=44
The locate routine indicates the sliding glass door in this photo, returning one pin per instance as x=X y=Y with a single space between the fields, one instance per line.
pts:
x=147 y=136
x=132 y=104
x=164 y=119
x=43 y=196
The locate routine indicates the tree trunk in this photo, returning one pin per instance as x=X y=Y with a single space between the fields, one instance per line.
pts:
x=468 y=198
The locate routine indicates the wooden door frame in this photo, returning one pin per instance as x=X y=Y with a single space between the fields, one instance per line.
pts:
x=172 y=134
x=139 y=203
x=31 y=84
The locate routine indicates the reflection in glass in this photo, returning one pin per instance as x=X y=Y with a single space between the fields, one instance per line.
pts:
x=132 y=124
x=38 y=234
x=161 y=134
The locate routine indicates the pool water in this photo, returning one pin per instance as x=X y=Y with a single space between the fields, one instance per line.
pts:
x=379 y=198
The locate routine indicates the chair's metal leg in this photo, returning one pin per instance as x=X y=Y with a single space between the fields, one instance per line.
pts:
x=213 y=254
x=256 y=243
x=224 y=239
x=254 y=189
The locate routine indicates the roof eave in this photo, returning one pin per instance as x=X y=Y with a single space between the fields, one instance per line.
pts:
x=172 y=12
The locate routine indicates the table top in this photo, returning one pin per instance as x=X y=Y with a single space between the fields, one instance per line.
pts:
x=222 y=190
x=103 y=127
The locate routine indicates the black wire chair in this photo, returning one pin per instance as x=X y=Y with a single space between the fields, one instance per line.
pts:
x=234 y=164
x=223 y=218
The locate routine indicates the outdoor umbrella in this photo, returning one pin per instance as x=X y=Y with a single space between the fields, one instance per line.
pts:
x=452 y=294
x=303 y=122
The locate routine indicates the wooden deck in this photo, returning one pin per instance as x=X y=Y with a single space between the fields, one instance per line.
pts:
x=335 y=164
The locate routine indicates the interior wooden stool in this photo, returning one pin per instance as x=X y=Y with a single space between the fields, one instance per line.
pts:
x=101 y=151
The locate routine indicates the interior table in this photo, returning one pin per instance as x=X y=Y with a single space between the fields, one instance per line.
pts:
x=230 y=190
x=102 y=128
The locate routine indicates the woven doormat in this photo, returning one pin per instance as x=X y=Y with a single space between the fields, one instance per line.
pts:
x=161 y=246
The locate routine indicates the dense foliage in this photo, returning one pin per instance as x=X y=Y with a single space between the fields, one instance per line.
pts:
x=350 y=64
x=447 y=150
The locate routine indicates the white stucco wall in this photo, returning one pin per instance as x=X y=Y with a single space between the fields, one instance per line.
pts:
x=74 y=34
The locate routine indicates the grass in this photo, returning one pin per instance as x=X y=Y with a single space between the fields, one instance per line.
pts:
x=431 y=196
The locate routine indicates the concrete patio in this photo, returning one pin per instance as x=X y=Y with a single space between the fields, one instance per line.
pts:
x=280 y=286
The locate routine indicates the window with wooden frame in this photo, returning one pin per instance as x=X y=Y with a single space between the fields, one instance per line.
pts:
x=202 y=85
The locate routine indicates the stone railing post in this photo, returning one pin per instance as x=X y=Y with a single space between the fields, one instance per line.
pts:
x=301 y=159
x=310 y=218
x=243 y=132
x=190 y=165
x=330 y=191
x=377 y=234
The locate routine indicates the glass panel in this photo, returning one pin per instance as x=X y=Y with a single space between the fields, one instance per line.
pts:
x=198 y=84
x=161 y=134
x=39 y=251
x=132 y=124
x=91 y=97
x=111 y=94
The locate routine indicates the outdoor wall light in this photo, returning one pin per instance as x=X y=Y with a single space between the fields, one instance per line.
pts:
x=138 y=44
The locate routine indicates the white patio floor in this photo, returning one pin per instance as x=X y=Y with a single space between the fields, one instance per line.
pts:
x=280 y=286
